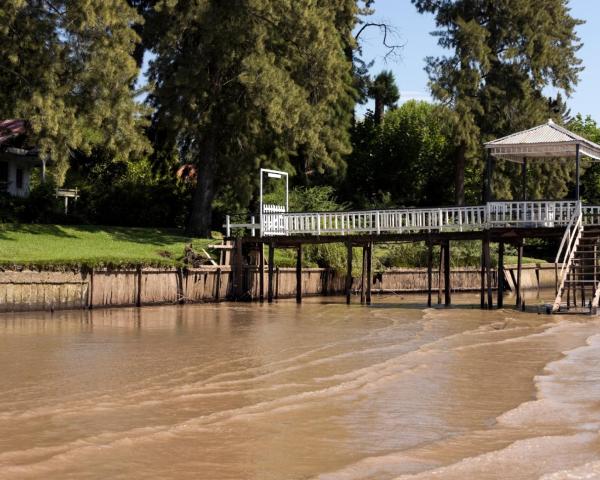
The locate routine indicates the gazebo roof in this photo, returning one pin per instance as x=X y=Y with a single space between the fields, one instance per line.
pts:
x=544 y=141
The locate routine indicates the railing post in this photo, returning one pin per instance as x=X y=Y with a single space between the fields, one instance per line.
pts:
x=228 y=225
x=252 y=230
x=377 y=225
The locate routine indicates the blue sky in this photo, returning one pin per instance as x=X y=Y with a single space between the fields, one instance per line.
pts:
x=414 y=33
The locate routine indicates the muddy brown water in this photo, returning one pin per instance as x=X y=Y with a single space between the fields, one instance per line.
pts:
x=318 y=391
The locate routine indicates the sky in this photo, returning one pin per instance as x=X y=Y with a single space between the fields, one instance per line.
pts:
x=414 y=34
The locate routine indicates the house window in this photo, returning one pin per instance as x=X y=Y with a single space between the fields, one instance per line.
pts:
x=3 y=171
x=19 y=178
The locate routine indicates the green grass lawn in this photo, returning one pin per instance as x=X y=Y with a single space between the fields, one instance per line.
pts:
x=94 y=246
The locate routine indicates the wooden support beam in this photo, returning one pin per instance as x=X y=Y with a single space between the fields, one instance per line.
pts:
x=362 y=275
x=582 y=283
x=488 y=270
x=447 y=287
x=349 y=272
x=519 y=301
x=369 y=271
x=299 y=274
x=429 y=271
x=500 y=275
x=440 y=270
x=482 y=277
x=271 y=261
x=261 y=272
x=239 y=269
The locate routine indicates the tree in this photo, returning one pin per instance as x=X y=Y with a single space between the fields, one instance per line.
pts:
x=590 y=180
x=250 y=83
x=384 y=91
x=405 y=159
x=503 y=55
x=67 y=68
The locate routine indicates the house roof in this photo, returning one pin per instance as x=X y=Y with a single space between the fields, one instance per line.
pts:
x=544 y=141
x=10 y=129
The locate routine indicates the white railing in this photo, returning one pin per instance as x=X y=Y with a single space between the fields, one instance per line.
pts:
x=530 y=214
x=276 y=221
x=566 y=252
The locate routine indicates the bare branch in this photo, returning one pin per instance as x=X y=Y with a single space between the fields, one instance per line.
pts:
x=388 y=32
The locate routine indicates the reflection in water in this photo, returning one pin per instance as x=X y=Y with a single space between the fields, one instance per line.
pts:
x=279 y=391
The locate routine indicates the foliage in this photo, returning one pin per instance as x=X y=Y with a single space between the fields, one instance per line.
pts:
x=503 y=55
x=315 y=199
x=590 y=180
x=131 y=194
x=92 y=246
x=67 y=68
x=384 y=91
x=253 y=83
x=403 y=161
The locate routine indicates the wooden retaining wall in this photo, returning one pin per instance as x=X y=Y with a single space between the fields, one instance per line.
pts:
x=54 y=290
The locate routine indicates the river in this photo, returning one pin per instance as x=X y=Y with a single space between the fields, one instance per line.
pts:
x=317 y=391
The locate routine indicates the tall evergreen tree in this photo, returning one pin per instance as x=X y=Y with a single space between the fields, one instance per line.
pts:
x=249 y=83
x=67 y=68
x=384 y=91
x=503 y=54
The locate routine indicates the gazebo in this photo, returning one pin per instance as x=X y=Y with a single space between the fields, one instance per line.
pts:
x=545 y=141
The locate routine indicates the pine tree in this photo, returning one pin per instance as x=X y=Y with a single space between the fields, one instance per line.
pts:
x=67 y=68
x=249 y=83
x=503 y=55
x=384 y=91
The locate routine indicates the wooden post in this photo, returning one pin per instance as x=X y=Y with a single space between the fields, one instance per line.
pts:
x=277 y=283
x=362 y=275
x=482 y=277
x=326 y=282
x=519 y=270
x=218 y=285
x=299 y=275
x=349 y=273
x=440 y=269
x=270 y=277
x=488 y=269
x=261 y=273
x=138 y=293
x=582 y=282
x=429 y=271
x=239 y=270
x=577 y=160
x=500 y=274
x=369 y=273
x=448 y=299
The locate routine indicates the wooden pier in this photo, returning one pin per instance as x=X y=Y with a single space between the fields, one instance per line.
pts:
x=501 y=223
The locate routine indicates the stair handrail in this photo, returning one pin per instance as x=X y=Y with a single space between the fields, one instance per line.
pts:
x=569 y=244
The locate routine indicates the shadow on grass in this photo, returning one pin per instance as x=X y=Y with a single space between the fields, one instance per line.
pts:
x=33 y=229
x=146 y=236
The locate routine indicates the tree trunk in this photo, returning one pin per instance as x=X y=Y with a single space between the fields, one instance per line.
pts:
x=459 y=174
x=200 y=221
x=379 y=108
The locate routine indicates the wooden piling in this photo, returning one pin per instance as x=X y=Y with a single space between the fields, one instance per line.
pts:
x=362 y=275
x=239 y=269
x=488 y=270
x=440 y=270
x=271 y=261
x=500 y=275
x=369 y=273
x=429 y=271
x=261 y=273
x=349 y=273
x=299 y=274
x=482 y=279
x=519 y=271
x=447 y=287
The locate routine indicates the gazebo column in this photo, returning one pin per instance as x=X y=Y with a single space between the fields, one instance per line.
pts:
x=524 y=179
x=577 y=159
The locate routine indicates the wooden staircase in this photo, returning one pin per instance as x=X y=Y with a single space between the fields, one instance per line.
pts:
x=579 y=279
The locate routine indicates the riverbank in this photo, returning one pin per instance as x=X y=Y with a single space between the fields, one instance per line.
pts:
x=30 y=290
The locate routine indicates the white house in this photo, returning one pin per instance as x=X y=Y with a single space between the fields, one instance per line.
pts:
x=16 y=158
